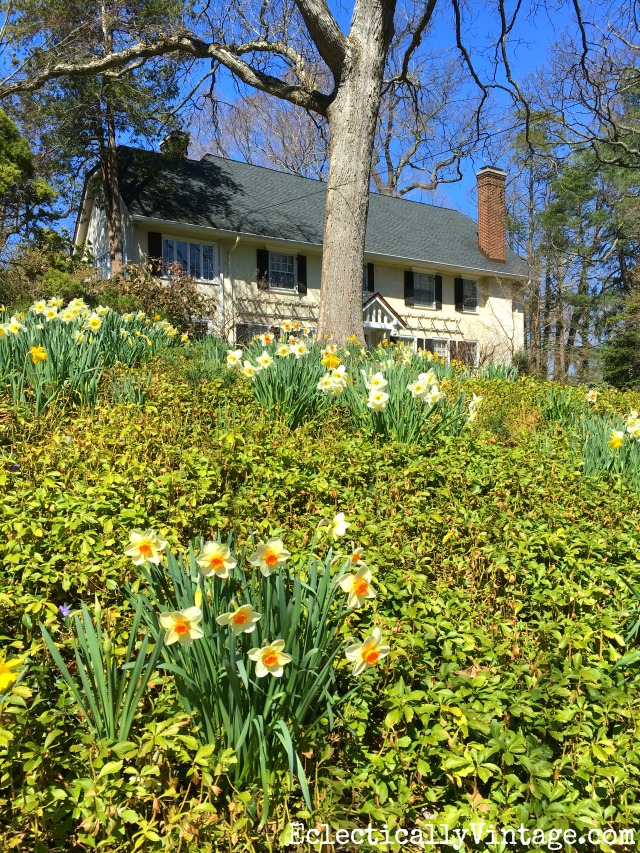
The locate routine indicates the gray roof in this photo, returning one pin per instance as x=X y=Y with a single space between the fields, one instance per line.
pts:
x=231 y=196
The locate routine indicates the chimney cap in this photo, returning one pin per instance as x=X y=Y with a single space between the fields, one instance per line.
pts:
x=491 y=169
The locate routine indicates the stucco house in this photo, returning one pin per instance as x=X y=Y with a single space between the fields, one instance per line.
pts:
x=252 y=237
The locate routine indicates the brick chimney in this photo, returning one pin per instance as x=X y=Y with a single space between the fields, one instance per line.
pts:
x=492 y=214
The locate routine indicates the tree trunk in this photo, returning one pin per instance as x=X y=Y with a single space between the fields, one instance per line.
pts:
x=352 y=120
x=111 y=191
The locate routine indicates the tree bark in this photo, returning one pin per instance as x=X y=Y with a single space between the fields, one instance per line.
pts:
x=111 y=191
x=352 y=120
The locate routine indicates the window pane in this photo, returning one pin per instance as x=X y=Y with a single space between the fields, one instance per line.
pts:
x=182 y=255
x=365 y=278
x=208 y=265
x=424 y=289
x=469 y=295
x=282 y=271
x=167 y=255
x=194 y=260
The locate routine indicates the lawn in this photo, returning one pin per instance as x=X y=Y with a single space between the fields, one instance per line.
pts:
x=500 y=536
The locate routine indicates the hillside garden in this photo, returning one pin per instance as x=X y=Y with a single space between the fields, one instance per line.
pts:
x=244 y=589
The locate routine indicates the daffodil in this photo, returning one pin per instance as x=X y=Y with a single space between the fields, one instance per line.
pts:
x=634 y=429
x=296 y=326
x=330 y=349
x=270 y=659
x=376 y=382
x=15 y=326
x=326 y=384
x=473 y=405
x=127 y=318
x=357 y=557
x=38 y=354
x=616 y=440
x=145 y=545
x=419 y=390
x=216 y=560
x=299 y=349
x=39 y=307
x=264 y=360
x=184 y=337
x=8 y=674
x=358 y=587
x=234 y=358
x=330 y=360
x=266 y=339
x=377 y=401
x=56 y=302
x=286 y=326
x=434 y=396
x=50 y=313
x=367 y=653
x=270 y=556
x=79 y=337
x=338 y=526
x=182 y=626
x=283 y=351
x=67 y=316
x=241 y=621
x=250 y=370
x=140 y=315
x=592 y=396
x=339 y=377
x=102 y=311
x=94 y=322
x=428 y=378
x=4 y=330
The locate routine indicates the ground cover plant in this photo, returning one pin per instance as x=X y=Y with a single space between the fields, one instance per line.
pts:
x=503 y=569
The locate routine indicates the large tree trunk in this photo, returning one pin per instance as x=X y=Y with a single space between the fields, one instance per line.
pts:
x=352 y=120
x=111 y=191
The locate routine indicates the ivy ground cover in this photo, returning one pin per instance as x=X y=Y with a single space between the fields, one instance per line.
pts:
x=500 y=555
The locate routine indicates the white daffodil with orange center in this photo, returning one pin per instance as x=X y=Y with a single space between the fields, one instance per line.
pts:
x=270 y=556
x=367 y=654
x=216 y=560
x=287 y=326
x=181 y=626
x=592 y=396
x=145 y=546
x=358 y=587
x=242 y=620
x=266 y=339
x=234 y=358
x=270 y=659
x=357 y=557
x=338 y=526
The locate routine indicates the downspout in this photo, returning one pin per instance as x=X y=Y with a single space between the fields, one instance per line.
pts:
x=230 y=275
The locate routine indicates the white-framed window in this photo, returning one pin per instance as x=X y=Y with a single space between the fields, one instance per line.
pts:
x=282 y=272
x=103 y=266
x=469 y=295
x=424 y=290
x=438 y=346
x=199 y=260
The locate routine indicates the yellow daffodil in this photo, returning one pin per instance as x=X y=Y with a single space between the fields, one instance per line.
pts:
x=181 y=626
x=8 y=674
x=330 y=360
x=270 y=659
x=616 y=440
x=367 y=653
x=358 y=587
x=592 y=396
x=270 y=556
x=292 y=340
x=241 y=621
x=234 y=358
x=338 y=526
x=377 y=401
x=157 y=318
x=145 y=545
x=216 y=560
x=184 y=338
x=264 y=360
x=38 y=354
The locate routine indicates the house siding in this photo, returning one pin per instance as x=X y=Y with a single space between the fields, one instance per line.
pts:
x=498 y=330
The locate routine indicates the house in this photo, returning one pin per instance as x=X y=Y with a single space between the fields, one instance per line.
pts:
x=252 y=237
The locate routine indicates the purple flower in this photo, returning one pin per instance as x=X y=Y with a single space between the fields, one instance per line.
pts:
x=65 y=610
x=15 y=467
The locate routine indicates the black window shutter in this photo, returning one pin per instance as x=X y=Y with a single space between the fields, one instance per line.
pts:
x=408 y=287
x=302 y=273
x=370 y=284
x=262 y=270
x=154 y=251
x=458 y=294
x=438 y=280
